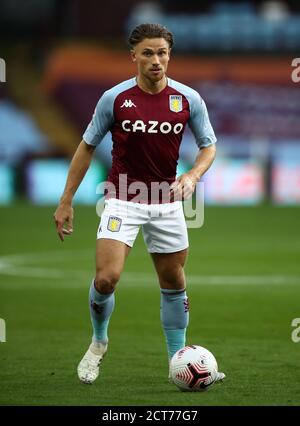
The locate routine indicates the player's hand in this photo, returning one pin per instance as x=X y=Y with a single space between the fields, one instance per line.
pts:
x=183 y=187
x=64 y=214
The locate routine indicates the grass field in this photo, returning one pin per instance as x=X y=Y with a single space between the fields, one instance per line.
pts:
x=244 y=289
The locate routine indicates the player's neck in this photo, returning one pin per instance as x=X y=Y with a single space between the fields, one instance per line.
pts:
x=151 y=87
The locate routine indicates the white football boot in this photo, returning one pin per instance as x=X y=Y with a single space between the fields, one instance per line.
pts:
x=88 y=368
x=219 y=377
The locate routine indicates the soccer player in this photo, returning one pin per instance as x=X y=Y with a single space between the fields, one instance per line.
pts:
x=146 y=116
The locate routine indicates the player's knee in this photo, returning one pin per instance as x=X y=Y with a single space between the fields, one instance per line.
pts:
x=105 y=282
x=172 y=278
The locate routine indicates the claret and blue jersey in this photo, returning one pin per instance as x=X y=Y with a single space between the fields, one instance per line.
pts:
x=147 y=129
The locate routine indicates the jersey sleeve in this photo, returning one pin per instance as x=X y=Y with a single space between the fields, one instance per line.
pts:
x=199 y=123
x=102 y=120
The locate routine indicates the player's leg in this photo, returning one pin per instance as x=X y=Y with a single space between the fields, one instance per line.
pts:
x=167 y=241
x=118 y=229
x=110 y=259
x=117 y=232
x=174 y=309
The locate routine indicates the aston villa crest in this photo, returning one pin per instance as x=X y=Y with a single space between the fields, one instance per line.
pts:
x=175 y=102
x=114 y=224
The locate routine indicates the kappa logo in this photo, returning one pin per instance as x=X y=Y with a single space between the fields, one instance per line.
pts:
x=128 y=104
x=96 y=308
x=186 y=304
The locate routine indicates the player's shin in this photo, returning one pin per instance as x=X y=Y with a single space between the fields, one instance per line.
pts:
x=101 y=308
x=174 y=315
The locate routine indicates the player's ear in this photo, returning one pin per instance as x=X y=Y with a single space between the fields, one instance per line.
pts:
x=133 y=55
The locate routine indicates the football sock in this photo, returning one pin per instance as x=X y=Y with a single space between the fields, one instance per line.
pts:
x=174 y=314
x=101 y=308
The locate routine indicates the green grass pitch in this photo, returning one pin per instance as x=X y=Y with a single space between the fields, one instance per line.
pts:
x=244 y=288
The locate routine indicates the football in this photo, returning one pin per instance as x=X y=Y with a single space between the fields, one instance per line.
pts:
x=194 y=368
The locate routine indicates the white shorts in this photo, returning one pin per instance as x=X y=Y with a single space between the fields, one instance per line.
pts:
x=163 y=225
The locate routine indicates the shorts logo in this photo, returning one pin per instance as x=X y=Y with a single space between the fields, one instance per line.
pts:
x=175 y=102
x=114 y=224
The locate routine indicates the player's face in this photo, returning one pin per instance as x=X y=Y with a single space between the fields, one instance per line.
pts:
x=152 y=56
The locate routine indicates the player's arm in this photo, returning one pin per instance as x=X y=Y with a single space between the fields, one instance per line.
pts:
x=206 y=140
x=96 y=130
x=204 y=160
x=185 y=184
x=78 y=168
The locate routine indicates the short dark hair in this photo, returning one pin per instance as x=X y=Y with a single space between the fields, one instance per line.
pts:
x=140 y=32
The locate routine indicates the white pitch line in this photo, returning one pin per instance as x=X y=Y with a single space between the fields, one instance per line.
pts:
x=50 y=255
x=136 y=279
x=12 y=266
x=218 y=279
